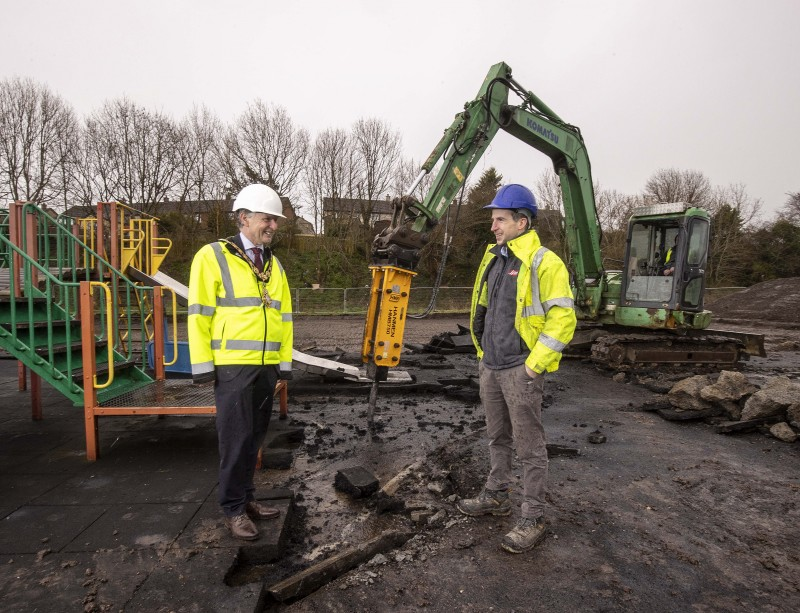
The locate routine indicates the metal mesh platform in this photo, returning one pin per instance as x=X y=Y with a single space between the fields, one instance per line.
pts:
x=168 y=393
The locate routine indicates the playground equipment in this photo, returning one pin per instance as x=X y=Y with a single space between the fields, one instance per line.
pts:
x=73 y=318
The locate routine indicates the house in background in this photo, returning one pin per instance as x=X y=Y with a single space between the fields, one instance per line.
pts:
x=345 y=216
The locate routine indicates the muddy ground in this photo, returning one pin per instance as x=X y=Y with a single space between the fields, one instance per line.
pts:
x=662 y=516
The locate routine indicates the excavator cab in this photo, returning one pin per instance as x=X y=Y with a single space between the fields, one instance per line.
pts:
x=665 y=259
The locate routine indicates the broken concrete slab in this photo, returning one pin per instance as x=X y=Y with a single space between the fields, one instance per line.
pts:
x=656 y=405
x=783 y=432
x=596 y=437
x=688 y=415
x=561 y=450
x=356 y=481
x=278 y=459
x=273 y=536
x=731 y=427
x=389 y=504
x=207 y=530
x=422 y=516
x=777 y=395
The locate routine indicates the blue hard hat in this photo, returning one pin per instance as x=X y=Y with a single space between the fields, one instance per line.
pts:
x=514 y=196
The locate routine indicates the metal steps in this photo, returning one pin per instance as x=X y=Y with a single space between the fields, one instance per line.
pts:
x=38 y=334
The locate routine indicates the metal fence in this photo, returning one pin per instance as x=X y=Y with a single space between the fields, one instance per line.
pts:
x=355 y=300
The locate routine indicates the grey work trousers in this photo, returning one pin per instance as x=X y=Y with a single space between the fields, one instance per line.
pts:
x=244 y=404
x=513 y=404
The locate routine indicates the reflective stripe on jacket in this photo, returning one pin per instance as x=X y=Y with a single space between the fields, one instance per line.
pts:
x=228 y=322
x=545 y=310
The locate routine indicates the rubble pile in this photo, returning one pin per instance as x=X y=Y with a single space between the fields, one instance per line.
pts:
x=744 y=405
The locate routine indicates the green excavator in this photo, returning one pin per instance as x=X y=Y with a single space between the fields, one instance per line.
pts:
x=651 y=312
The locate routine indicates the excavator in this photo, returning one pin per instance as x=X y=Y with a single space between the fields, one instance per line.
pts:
x=651 y=312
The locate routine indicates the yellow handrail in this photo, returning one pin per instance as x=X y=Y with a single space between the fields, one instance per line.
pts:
x=109 y=336
x=174 y=325
x=130 y=243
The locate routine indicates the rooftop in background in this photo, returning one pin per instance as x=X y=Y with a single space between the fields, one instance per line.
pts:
x=196 y=207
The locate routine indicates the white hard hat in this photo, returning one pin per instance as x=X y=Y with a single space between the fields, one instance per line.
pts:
x=259 y=199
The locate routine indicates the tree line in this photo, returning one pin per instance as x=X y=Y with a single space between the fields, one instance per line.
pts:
x=744 y=249
x=124 y=152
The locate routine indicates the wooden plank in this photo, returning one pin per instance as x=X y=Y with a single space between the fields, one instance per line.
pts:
x=303 y=583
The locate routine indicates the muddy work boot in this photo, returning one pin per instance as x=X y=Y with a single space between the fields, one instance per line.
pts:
x=526 y=535
x=488 y=502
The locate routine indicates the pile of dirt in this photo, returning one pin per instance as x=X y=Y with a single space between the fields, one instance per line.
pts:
x=770 y=301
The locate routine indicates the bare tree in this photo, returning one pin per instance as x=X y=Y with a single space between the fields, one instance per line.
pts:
x=732 y=211
x=614 y=210
x=200 y=186
x=38 y=132
x=406 y=173
x=469 y=228
x=328 y=178
x=132 y=154
x=200 y=175
x=791 y=210
x=735 y=196
x=78 y=180
x=547 y=190
x=673 y=185
x=265 y=146
x=378 y=150
x=328 y=172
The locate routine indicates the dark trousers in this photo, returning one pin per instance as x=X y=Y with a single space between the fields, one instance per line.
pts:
x=244 y=405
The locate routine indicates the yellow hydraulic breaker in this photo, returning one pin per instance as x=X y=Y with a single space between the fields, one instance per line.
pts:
x=384 y=327
x=386 y=319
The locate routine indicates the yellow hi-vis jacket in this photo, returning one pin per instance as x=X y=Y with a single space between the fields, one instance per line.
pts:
x=545 y=309
x=228 y=322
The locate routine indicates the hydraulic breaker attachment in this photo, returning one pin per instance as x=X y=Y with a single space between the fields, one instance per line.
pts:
x=384 y=327
x=386 y=318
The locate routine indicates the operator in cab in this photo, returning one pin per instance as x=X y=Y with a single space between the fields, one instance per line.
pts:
x=522 y=317
x=668 y=267
x=240 y=338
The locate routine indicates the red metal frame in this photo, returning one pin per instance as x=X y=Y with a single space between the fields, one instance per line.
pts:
x=92 y=410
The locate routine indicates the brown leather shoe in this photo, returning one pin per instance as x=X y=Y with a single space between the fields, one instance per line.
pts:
x=242 y=527
x=257 y=510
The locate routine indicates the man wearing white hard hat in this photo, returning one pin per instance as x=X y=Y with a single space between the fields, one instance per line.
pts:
x=240 y=337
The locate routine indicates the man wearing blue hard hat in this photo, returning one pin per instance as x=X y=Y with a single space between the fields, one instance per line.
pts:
x=522 y=318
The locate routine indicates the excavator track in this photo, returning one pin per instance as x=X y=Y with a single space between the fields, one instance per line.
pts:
x=644 y=350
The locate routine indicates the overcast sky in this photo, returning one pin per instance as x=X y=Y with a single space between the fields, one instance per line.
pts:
x=707 y=85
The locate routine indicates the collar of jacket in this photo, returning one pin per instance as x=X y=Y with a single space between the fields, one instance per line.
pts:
x=523 y=247
x=237 y=240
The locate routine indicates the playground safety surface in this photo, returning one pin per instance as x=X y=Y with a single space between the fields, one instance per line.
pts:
x=140 y=529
